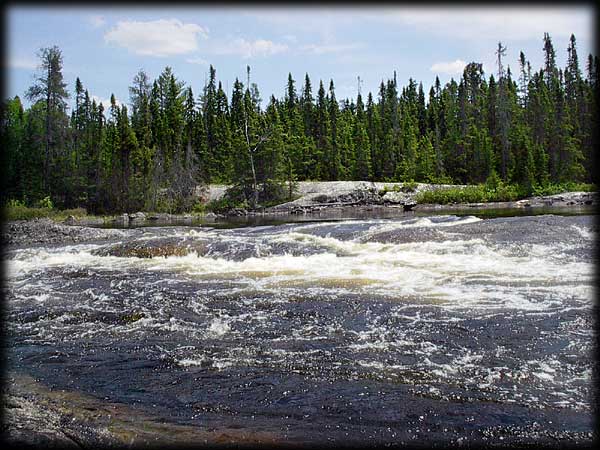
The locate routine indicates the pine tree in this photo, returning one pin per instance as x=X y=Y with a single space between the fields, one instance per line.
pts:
x=373 y=127
x=322 y=134
x=222 y=153
x=50 y=88
x=12 y=133
x=33 y=154
x=333 y=158
x=361 y=168
x=78 y=159
x=141 y=123
x=532 y=131
x=425 y=160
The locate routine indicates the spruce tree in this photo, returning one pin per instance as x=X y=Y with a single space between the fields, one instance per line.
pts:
x=50 y=88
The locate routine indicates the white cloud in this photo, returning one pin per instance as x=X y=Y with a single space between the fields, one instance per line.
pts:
x=96 y=21
x=249 y=49
x=156 y=38
x=320 y=49
x=105 y=101
x=199 y=61
x=290 y=38
x=501 y=23
x=450 y=68
x=22 y=63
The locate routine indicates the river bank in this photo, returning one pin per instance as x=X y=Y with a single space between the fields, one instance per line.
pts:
x=321 y=200
x=37 y=416
x=318 y=196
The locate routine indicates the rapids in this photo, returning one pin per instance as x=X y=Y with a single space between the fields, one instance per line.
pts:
x=418 y=329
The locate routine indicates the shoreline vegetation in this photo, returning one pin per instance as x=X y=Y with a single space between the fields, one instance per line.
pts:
x=496 y=136
x=318 y=196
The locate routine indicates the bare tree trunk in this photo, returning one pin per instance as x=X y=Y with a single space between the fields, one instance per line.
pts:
x=47 y=149
x=251 y=154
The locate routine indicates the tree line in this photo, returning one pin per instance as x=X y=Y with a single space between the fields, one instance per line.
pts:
x=529 y=129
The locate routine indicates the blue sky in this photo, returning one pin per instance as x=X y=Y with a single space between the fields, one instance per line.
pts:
x=105 y=47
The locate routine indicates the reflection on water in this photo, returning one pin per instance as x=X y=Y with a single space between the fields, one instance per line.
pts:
x=356 y=213
x=364 y=330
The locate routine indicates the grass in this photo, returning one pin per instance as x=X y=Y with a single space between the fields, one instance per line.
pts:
x=482 y=193
x=553 y=189
x=468 y=194
x=407 y=186
x=21 y=212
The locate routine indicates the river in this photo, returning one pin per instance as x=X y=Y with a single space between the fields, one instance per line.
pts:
x=429 y=329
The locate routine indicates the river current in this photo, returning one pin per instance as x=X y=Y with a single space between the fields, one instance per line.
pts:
x=420 y=330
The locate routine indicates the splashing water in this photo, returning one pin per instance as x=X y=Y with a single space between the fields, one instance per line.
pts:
x=323 y=321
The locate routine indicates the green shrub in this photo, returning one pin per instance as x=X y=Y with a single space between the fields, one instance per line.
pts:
x=409 y=186
x=559 y=188
x=468 y=194
x=389 y=188
x=442 y=179
x=494 y=190
x=21 y=212
x=199 y=207
x=16 y=210
x=493 y=181
x=12 y=203
x=76 y=212
x=46 y=202
x=64 y=213
x=225 y=204
x=505 y=193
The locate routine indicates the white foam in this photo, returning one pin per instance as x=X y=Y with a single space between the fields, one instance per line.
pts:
x=427 y=222
x=219 y=327
x=457 y=273
x=584 y=232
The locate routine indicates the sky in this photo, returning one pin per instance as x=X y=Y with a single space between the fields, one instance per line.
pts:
x=106 y=47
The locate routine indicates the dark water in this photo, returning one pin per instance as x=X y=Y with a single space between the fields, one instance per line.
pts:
x=416 y=329
x=356 y=213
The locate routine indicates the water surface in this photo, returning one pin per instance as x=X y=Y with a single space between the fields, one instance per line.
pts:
x=412 y=329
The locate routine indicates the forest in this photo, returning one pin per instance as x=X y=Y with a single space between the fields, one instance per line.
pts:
x=529 y=129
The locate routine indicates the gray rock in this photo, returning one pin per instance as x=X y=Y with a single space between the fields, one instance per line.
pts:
x=395 y=197
x=409 y=205
x=159 y=216
x=137 y=216
x=71 y=220
x=123 y=218
x=46 y=231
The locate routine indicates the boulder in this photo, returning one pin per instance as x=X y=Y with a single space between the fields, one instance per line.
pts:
x=297 y=210
x=71 y=220
x=152 y=249
x=159 y=216
x=137 y=216
x=395 y=197
x=409 y=205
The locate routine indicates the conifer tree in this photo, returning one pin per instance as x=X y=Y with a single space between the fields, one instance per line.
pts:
x=12 y=133
x=537 y=129
x=50 y=88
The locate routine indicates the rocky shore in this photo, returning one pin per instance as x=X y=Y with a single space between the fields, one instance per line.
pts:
x=313 y=197
x=319 y=195
x=38 y=417
x=45 y=231
x=564 y=200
